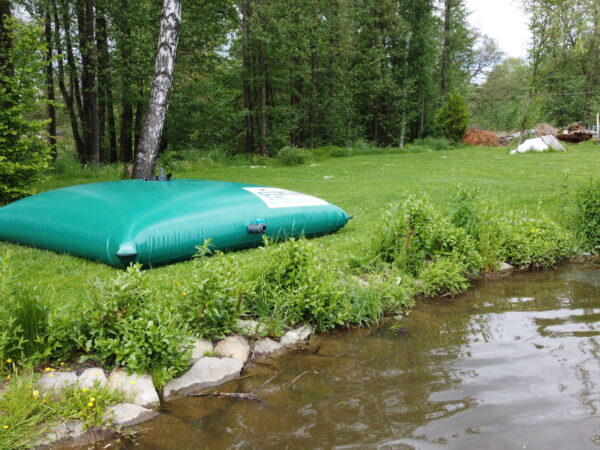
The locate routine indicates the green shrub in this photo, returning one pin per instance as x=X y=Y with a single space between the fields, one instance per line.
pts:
x=292 y=156
x=86 y=404
x=414 y=233
x=29 y=333
x=24 y=154
x=533 y=243
x=23 y=417
x=432 y=143
x=211 y=302
x=586 y=221
x=444 y=276
x=153 y=341
x=405 y=233
x=338 y=152
x=297 y=286
x=452 y=119
x=479 y=218
x=124 y=325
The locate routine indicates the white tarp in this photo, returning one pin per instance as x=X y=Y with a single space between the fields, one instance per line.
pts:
x=540 y=144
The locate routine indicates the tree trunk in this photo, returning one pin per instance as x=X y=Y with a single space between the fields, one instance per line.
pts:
x=246 y=85
x=161 y=88
x=50 y=82
x=421 y=116
x=106 y=113
x=591 y=66
x=67 y=95
x=89 y=60
x=126 y=132
x=312 y=114
x=139 y=117
x=74 y=87
x=262 y=67
x=445 y=61
x=295 y=99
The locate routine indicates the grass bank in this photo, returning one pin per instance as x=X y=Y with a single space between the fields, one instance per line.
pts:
x=434 y=237
x=363 y=185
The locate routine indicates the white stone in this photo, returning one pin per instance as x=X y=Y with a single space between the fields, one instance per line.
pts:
x=267 y=346
x=66 y=431
x=206 y=372
x=200 y=348
x=250 y=327
x=56 y=380
x=91 y=375
x=137 y=389
x=235 y=347
x=294 y=337
x=127 y=414
x=540 y=144
x=505 y=268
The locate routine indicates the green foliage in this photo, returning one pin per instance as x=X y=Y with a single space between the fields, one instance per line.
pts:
x=452 y=119
x=433 y=143
x=211 y=300
x=533 y=243
x=586 y=220
x=444 y=276
x=498 y=103
x=479 y=218
x=298 y=286
x=292 y=156
x=26 y=414
x=23 y=153
x=86 y=404
x=414 y=232
x=123 y=325
x=30 y=332
x=24 y=418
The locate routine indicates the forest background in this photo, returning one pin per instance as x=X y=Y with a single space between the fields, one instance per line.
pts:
x=255 y=76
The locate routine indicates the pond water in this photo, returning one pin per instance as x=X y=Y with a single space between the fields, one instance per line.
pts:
x=513 y=363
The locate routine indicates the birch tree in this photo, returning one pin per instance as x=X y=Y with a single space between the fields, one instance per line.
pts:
x=168 y=39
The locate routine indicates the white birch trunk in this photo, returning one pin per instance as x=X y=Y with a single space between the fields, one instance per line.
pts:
x=168 y=38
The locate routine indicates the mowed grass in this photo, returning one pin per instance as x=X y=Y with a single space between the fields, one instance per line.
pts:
x=364 y=186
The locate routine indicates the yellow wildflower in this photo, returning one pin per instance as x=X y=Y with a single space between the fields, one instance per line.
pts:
x=62 y=363
x=50 y=375
x=8 y=377
x=84 y=390
x=132 y=382
x=36 y=393
x=5 y=427
x=90 y=404
x=92 y=399
x=9 y=360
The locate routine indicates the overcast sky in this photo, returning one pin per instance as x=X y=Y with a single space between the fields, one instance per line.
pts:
x=504 y=21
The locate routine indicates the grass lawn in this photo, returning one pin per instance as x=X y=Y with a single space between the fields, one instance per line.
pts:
x=362 y=185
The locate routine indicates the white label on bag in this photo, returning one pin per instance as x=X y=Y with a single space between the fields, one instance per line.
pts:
x=282 y=198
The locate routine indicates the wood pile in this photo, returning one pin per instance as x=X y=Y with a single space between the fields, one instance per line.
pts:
x=476 y=136
x=576 y=133
x=545 y=129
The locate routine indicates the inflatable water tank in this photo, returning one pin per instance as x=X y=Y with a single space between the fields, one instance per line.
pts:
x=160 y=222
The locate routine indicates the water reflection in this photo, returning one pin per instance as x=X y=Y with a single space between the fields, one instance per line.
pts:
x=514 y=363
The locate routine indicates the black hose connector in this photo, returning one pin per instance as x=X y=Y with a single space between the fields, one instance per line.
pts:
x=257 y=228
x=161 y=177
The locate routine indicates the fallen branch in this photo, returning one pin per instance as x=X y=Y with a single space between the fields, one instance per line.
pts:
x=238 y=395
x=264 y=384
x=306 y=372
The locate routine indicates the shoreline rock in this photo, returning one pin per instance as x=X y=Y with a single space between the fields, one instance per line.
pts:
x=137 y=388
x=142 y=399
